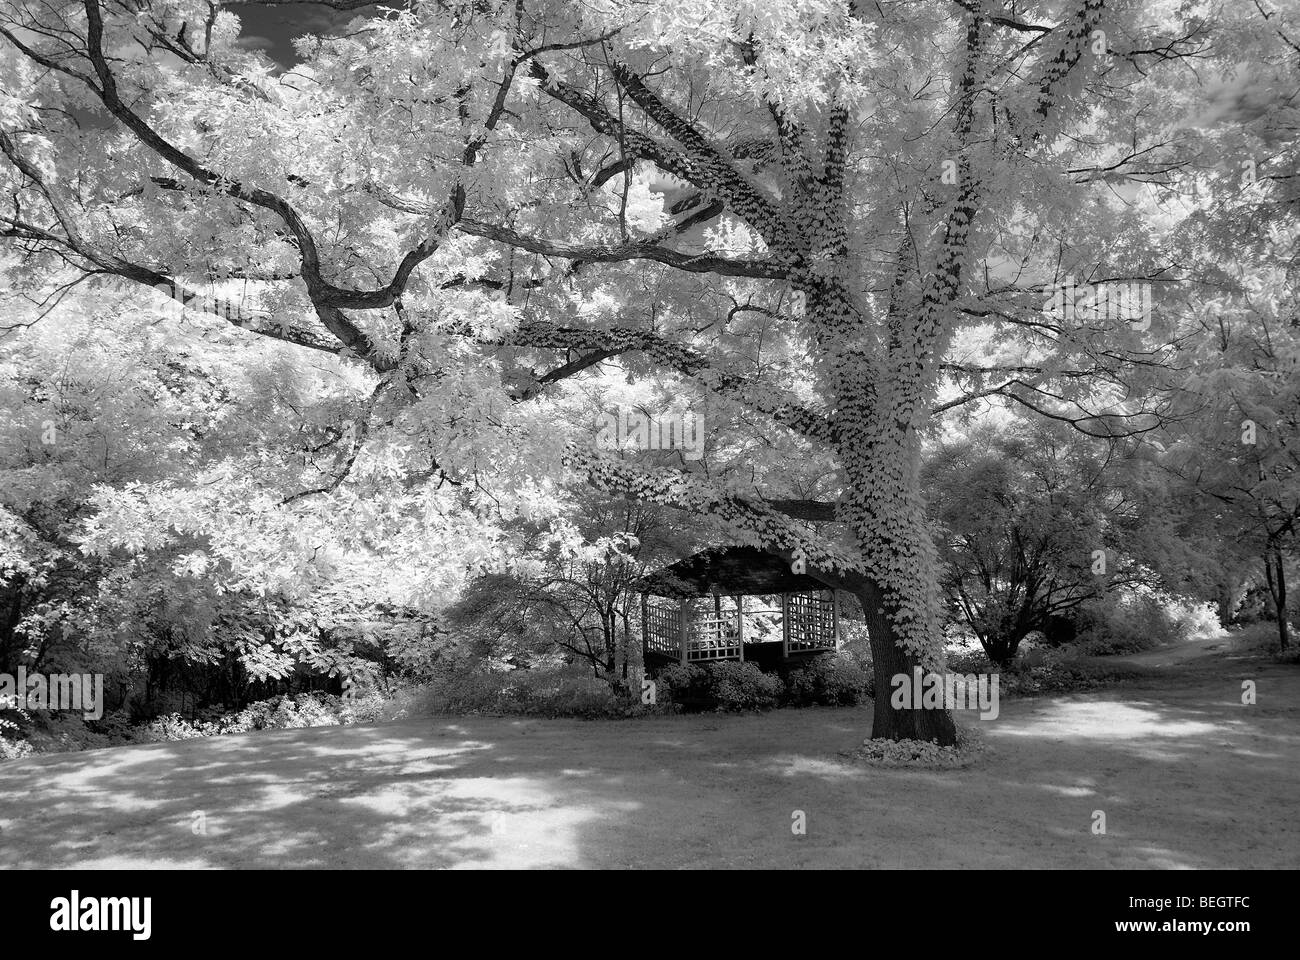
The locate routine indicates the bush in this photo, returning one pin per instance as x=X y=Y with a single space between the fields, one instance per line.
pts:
x=921 y=753
x=170 y=728
x=1064 y=673
x=743 y=686
x=467 y=687
x=1260 y=638
x=583 y=697
x=721 y=685
x=13 y=719
x=114 y=727
x=684 y=685
x=280 y=713
x=371 y=707
x=1045 y=671
x=970 y=660
x=562 y=692
x=1135 y=623
x=14 y=749
x=53 y=733
x=830 y=680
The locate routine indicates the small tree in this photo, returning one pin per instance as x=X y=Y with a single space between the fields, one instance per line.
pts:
x=571 y=593
x=1032 y=526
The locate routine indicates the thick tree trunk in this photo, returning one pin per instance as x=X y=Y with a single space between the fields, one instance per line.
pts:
x=882 y=388
x=900 y=593
x=889 y=660
x=900 y=544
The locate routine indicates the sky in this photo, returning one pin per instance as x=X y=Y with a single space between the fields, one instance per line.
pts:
x=273 y=29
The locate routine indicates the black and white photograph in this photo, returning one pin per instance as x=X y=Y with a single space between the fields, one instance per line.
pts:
x=637 y=435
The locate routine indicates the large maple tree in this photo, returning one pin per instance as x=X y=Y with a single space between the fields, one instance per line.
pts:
x=837 y=220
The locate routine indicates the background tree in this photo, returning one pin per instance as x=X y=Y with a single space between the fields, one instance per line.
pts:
x=1038 y=522
x=577 y=597
x=1241 y=454
x=1235 y=449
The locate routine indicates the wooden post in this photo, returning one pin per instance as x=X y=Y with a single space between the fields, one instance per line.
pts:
x=684 y=609
x=645 y=631
x=740 y=624
x=785 y=626
x=835 y=616
x=717 y=634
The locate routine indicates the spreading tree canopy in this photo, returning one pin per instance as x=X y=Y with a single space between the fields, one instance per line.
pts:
x=831 y=223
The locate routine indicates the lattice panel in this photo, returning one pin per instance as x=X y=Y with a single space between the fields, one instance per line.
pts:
x=713 y=639
x=810 y=619
x=663 y=627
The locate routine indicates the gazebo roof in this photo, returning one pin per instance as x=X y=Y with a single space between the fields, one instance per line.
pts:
x=728 y=570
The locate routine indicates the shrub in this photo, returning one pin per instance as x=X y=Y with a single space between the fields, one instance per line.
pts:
x=589 y=699
x=114 y=727
x=743 y=686
x=685 y=685
x=1137 y=622
x=56 y=733
x=467 y=687
x=1064 y=673
x=170 y=728
x=970 y=660
x=370 y=707
x=14 y=749
x=921 y=753
x=12 y=720
x=721 y=685
x=280 y=713
x=830 y=680
x=1260 y=638
x=555 y=692
x=1046 y=670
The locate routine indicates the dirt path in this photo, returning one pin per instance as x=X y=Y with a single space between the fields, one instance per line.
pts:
x=1179 y=653
x=1186 y=775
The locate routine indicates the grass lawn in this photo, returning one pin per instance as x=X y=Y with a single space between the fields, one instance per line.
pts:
x=1187 y=777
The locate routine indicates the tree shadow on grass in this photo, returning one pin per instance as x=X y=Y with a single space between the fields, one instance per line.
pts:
x=477 y=792
x=1186 y=779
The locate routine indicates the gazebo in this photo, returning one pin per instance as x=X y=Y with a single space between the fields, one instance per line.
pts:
x=725 y=604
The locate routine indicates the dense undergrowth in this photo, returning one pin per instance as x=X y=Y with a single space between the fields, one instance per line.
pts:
x=834 y=680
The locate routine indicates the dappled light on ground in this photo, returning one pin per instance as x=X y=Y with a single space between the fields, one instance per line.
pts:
x=687 y=791
x=1113 y=720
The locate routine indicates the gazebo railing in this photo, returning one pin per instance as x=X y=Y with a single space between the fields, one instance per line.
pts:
x=662 y=627
x=811 y=622
x=713 y=639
